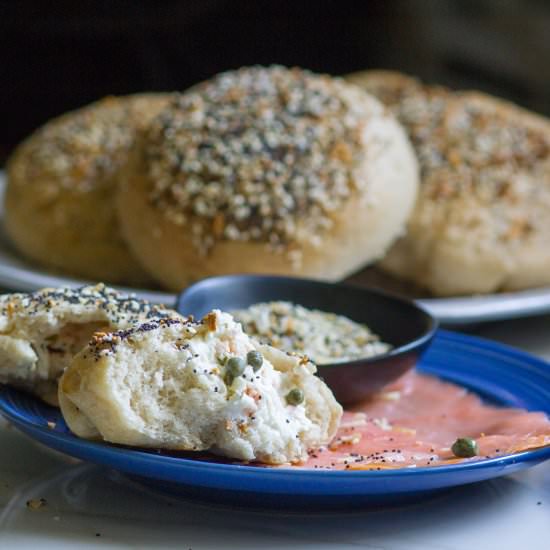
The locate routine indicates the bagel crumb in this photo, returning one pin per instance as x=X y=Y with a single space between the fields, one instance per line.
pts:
x=36 y=503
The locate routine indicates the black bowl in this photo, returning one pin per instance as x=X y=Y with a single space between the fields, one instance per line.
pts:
x=406 y=326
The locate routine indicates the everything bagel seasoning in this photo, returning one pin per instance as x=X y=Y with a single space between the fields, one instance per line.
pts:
x=259 y=154
x=322 y=337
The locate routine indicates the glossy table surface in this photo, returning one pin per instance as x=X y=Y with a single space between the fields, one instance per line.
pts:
x=87 y=506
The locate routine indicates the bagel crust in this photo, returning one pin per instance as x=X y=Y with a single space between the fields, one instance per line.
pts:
x=41 y=331
x=61 y=186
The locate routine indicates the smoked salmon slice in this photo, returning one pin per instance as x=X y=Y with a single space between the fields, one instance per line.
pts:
x=415 y=421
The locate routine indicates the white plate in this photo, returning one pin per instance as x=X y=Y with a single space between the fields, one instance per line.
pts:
x=16 y=273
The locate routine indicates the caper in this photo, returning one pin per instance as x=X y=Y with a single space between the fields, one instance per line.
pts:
x=465 y=447
x=235 y=366
x=255 y=360
x=295 y=396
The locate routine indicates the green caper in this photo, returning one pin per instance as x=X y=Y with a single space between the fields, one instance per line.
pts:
x=295 y=396
x=255 y=360
x=235 y=367
x=465 y=447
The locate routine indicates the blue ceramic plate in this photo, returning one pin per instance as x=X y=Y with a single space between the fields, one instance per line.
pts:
x=500 y=374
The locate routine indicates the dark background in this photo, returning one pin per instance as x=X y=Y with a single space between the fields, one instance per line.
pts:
x=58 y=55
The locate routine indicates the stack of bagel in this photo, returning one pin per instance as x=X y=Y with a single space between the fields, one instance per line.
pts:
x=283 y=171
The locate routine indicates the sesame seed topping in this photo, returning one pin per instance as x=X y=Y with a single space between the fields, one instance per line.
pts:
x=74 y=151
x=258 y=154
x=477 y=152
x=117 y=305
x=106 y=343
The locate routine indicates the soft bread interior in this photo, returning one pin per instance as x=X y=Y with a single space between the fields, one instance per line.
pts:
x=167 y=386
